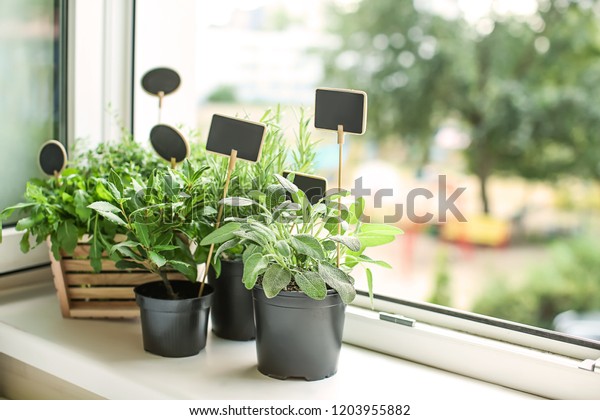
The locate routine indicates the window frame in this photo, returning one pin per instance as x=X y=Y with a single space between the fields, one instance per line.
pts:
x=481 y=347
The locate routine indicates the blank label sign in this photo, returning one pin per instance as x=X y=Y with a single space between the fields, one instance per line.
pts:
x=344 y=107
x=169 y=143
x=53 y=157
x=314 y=187
x=228 y=133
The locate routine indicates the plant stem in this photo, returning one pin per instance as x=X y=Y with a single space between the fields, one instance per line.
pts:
x=167 y=283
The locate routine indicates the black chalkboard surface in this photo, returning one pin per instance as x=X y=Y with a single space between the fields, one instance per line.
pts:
x=228 y=133
x=161 y=79
x=52 y=157
x=344 y=107
x=314 y=187
x=169 y=143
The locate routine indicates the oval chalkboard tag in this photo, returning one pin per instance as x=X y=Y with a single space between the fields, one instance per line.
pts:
x=52 y=158
x=169 y=143
x=161 y=79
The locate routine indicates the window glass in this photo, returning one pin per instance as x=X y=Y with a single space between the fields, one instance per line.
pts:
x=480 y=143
x=29 y=103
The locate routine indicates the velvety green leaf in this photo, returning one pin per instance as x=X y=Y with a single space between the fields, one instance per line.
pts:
x=381 y=228
x=288 y=185
x=263 y=230
x=225 y=246
x=275 y=279
x=308 y=245
x=283 y=248
x=237 y=202
x=348 y=241
x=339 y=281
x=253 y=266
x=252 y=236
x=223 y=234
x=312 y=284
x=352 y=260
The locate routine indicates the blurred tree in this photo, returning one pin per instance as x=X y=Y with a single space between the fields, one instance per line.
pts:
x=526 y=88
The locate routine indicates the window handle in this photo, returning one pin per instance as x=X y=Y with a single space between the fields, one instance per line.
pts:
x=589 y=364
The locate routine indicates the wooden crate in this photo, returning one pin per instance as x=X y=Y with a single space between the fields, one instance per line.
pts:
x=107 y=294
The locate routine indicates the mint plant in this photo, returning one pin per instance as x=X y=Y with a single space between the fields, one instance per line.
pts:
x=58 y=208
x=291 y=244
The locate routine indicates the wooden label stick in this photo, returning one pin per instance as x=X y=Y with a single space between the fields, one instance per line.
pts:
x=340 y=140
x=232 y=160
x=173 y=163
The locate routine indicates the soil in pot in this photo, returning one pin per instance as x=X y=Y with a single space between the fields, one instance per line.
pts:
x=174 y=327
x=232 y=312
x=296 y=336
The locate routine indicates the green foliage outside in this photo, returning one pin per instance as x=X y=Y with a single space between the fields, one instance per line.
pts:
x=569 y=282
x=524 y=88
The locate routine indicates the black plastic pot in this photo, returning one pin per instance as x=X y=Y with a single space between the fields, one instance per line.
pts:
x=296 y=336
x=174 y=327
x=232 y=314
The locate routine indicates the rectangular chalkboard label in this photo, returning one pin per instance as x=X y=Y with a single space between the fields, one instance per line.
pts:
x=228 y=133
x=344 y=107
x=314 y=187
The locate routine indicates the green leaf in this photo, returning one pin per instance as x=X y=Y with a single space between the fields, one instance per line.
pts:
x=370 y=285
x=81 y=206
x=312 y=284
x=142 y=233
x=275 y=279
x=190 y=271
x=352 y=260
x=375 y=234
x=128 y=265
x=25 y=223
x=339 y=281
x=95 y=253
x=351 y=243
x=225 y=246
x=223 y=234
x=24 y=244
x=252 y=236
x=283 y=248
x=112 y=217
x=68 y=236
x=288 y=185
x=157 y=259
x=253 y=266
x=237 y=202
x=308 y=245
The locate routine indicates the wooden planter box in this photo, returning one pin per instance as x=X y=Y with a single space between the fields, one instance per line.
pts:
x=107 y=294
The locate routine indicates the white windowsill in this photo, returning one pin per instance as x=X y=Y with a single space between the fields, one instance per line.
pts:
x=106 y=358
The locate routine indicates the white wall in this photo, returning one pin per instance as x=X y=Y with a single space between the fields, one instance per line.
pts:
x=165 y=37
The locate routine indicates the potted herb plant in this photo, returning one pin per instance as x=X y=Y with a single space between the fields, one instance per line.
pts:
x=56 y=210
x=232 y=314
x=160 y=218
x=290 y=264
